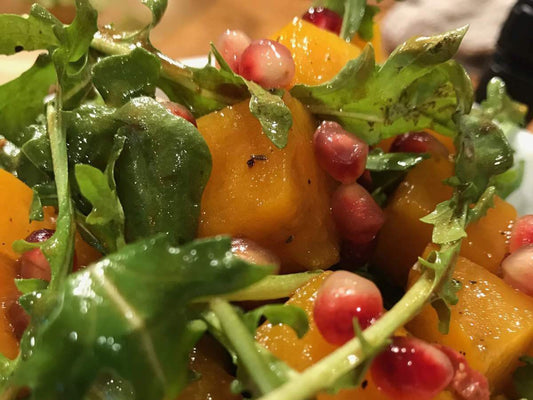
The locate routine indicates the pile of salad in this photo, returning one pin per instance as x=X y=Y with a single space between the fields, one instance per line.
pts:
x=299 y=219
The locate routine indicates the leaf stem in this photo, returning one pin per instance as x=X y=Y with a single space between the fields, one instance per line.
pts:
x=270 y=288
x=171 y=70
x=60 y=248
x=244 y=345
x=326 y=372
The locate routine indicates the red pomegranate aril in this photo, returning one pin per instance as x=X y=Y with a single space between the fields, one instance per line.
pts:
x=343 y=297
x=467 y=383
x=231 y=44
x=339 y=153
x=250 y=251
x=267 y=63
x=33 y=263
x=411 y=369
x=522 y=233
x=357 y=216
x=517 y=269
x=179 y=111
x=324 y=18
x=418 y=142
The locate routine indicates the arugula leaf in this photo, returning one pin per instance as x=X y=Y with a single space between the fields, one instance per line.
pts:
x=135 y=319
x=366 y=28
x=18 y=33
x=498 y=106
x=354 y=11
x=287 y=314
x=26 y=286
x=22 y=100
x=161 y=173
x=510 y=180
x=418 y=87
x=274 y=116
x=121 y=78
x=482 y=152
x=107 y=216
x=379 y=161
x=523 y=378
x=9 y=156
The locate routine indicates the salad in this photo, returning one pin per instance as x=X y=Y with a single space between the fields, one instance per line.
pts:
x=306 y=219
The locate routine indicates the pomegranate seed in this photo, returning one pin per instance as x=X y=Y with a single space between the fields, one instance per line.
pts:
x=517 y=269
x=267 y=63
x=250 y=251
x=324 y=18
x=33 y=263
x=342 y=297
x=231 y=44
x=40 y=235
x=522 y=233
x=179 y=111
x=411 y=369
x=18 y=318
x=340 y=153
x=356 y=214
x=419 y=142
x=467 y=383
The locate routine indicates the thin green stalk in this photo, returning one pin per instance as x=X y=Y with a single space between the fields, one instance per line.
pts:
x=171 y=69
x=60 y=248
x=270 y=288
x=244 y=345
x=330 y=369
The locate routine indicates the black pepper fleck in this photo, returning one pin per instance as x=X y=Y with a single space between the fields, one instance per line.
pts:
x=18 y=49
x=289 y=239
x=364 y=384
x=254 y=158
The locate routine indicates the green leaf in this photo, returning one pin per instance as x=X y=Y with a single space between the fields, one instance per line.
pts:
x=483 y=151
x=366 y=28
x=500 y=107
x=25 y=33
x=36 y=208
x=22 y=100
x=354 y=11
x=134 y=321
x=121 y=78
x=523 y=378
x=334 y=5
x=449 y=225
x=274 y=116
x=30 y=285
x=379 y=161
x=161 y=173
x=107 y=215
x=276 y=314
x=9 y=156
x=509 y=181
x=418 y=87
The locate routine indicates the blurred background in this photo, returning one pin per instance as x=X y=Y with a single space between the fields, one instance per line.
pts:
x=190 y=25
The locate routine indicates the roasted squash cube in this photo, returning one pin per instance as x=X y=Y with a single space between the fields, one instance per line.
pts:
x=276 y=197
x=318 y=54
x=403 y=237
x=492 y=324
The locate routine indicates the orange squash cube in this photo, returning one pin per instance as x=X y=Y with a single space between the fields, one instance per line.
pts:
x=318 y=54
x=276 y=197
x=492 y=324
x=403 y=237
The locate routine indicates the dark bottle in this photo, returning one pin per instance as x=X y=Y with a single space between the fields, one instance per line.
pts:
x=513 y=59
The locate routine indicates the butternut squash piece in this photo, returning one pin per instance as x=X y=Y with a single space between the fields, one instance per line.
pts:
x=492 y=324
x=278 y=198
x=302 y=353
x=318 y=54
x=403 y=237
